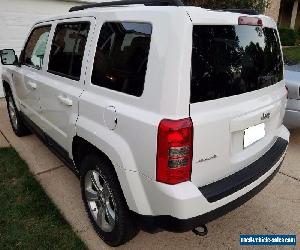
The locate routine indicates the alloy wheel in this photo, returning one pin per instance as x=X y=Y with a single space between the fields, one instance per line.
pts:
x=100 y=200
x=12 y=112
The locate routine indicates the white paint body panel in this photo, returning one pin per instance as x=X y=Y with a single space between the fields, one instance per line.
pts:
x=131 y=144
x=59 y=96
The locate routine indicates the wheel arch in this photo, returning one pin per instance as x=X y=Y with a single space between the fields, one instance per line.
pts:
x=6 y=86
x=129 y=181
x=7 y=82
x=82 y=147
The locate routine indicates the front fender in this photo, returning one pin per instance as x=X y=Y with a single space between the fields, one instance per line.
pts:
x=7 y=77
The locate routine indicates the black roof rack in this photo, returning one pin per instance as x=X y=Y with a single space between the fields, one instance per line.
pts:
x=243 y=11
x=129 y=2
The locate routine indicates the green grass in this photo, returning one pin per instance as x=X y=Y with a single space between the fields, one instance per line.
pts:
x=28 y=218
x=292 y=54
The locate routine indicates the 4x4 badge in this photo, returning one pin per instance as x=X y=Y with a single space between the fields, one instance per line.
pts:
x=207 y=158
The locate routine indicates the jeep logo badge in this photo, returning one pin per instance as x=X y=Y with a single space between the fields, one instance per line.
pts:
x=265 y=116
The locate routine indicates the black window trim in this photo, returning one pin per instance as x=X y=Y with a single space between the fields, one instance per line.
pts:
x=66 y=23
x=112 y=90
x=35 y=28
x=63 y=75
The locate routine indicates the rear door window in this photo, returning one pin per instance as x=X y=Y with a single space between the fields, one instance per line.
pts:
x=231 y=60
x=67 y=49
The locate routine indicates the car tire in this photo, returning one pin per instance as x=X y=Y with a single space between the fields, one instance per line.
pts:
x=15 y=118
x=104 y=201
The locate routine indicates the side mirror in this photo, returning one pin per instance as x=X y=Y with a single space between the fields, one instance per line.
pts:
x=8 y=57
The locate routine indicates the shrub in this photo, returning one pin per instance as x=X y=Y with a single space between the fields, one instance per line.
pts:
x=258 y=5
x=288 y=36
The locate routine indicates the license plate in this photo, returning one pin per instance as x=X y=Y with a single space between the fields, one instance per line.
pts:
x=254 y=134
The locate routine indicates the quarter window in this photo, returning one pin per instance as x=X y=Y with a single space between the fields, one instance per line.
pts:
x=67 y=49
x=121 y=57
x=34 y=51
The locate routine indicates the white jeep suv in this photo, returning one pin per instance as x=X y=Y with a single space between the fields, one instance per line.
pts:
x=168 y=113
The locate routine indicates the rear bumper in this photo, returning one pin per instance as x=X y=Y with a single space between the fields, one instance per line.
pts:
x=173 y=224
x=229 y=185
x=184 y=207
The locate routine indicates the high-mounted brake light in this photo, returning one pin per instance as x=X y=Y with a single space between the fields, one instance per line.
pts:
x=174 y=151
x=246 y=20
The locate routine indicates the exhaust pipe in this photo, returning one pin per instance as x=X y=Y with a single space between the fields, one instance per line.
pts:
x=200 y=231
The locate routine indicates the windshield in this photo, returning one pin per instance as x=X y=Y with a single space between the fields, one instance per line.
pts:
x=230 y=60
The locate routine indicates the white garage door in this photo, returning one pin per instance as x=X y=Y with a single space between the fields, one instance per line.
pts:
x=18 y=16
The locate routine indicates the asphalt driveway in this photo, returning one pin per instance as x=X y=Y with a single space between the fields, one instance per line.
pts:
x=276 y=210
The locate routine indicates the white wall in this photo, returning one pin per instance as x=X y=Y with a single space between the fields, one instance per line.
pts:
x=17 y=17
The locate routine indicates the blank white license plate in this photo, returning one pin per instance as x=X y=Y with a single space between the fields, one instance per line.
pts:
x=254 y=134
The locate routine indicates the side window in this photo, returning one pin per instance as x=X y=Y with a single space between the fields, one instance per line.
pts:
x=35 y=48
x=121 y=57
x=67 y=49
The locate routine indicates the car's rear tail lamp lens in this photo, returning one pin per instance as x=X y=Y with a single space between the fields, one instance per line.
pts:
x=174 y=151
x=246 y=20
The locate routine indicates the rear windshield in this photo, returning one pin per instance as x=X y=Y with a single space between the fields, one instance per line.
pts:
x=230 y=60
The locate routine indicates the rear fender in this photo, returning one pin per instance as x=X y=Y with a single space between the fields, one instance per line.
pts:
x=119 y=153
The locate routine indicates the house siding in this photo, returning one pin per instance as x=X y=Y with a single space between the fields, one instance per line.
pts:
x=18 y=16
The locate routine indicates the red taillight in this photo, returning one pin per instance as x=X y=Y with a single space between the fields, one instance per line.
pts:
x=174 y=151
x=246 y=20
